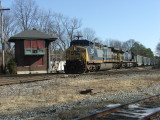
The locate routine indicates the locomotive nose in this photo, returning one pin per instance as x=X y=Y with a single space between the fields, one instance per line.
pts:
x=75 y=59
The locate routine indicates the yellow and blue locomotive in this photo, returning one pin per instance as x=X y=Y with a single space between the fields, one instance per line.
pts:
x=84 y=56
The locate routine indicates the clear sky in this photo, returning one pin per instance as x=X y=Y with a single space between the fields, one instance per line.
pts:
x=115 y=19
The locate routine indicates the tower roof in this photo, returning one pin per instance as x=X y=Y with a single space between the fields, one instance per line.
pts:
x=32 y=34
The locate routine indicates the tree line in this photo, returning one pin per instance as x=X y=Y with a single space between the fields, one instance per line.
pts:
x=131 y=45
x=26 y=14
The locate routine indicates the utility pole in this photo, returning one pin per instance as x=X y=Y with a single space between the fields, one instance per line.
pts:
x=2 y=36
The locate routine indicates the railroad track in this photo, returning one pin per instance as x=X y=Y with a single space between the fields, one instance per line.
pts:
x=26 y=79
x=125 y=71
x=135 y=110
x=17 y=79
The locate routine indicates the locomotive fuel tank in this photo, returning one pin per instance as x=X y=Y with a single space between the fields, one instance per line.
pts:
x=106 y=66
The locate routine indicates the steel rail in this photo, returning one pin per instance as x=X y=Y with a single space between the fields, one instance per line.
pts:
x=152 y=115
x=117 y=108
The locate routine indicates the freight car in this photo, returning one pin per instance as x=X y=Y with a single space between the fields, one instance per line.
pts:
x=86 y=56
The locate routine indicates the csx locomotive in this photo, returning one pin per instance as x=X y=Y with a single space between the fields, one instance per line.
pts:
x=86 y=56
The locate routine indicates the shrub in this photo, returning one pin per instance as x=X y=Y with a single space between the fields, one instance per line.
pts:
x=12 y=67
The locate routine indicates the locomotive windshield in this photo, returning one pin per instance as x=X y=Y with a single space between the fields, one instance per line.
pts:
x=81 y=43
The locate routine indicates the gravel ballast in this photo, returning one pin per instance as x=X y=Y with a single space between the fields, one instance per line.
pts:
x=60 y=99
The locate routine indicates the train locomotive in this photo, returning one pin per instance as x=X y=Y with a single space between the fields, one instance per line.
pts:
x=86 y=56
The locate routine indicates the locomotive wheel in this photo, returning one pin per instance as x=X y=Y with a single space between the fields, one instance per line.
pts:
x=84 y=70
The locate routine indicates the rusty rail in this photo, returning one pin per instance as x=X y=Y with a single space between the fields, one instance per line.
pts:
x=117 y=108
x=34 y=79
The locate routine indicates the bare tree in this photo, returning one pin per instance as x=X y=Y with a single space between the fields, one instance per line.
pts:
x=45 y=22
x=25 y=13
x=60 y=31
x=10 y=29
x=128 y=44
x=65 y=29
x=56 y=24
x=114 y=43
x=71 y=26
x=89 y=34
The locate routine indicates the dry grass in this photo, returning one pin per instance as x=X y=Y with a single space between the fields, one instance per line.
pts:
x=67 y=92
